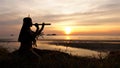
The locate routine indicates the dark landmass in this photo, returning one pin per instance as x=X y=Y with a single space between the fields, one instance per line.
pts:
x=51 y=34
x=100 y=45
x=56 y=59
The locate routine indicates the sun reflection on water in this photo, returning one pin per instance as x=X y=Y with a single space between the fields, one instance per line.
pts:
x=68 y=38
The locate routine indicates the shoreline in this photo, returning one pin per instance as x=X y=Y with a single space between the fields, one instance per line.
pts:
x=98 y=45
x=74 y=47
x=51 y=39
x=91 y=46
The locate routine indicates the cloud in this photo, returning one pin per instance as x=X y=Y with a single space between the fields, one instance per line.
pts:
x=61 y=12
x=110 y=5
x=10 y=18
x=88 y=18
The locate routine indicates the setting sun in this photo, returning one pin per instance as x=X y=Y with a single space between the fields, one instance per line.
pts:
x=67 y=30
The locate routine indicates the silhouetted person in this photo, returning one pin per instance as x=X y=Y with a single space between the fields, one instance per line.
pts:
x=27 y=36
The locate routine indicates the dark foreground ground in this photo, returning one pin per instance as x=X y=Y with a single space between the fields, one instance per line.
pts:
x=56 y=59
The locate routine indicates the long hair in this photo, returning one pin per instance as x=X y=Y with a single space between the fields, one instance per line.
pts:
x=27 y=23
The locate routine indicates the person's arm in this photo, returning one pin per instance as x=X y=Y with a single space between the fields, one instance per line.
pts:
x=38 y=32
x=37 y=28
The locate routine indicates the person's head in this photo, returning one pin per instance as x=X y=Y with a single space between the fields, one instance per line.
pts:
x=27 y=22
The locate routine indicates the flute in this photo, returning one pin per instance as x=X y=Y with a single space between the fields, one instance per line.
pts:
x=42 y=24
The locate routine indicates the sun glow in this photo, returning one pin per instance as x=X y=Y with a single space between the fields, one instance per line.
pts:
x=67 y=30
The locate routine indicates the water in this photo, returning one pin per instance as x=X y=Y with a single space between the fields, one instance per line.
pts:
x=83 y=37
x=69 y=44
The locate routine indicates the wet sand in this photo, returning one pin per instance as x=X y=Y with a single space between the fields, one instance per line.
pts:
x=98 y=45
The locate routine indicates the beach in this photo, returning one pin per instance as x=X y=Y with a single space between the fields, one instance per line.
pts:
x=65 y=53
x=56 y=59
x=75 y=45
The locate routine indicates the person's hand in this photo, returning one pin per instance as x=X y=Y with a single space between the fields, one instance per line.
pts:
x=36 y=25
x=43 y=23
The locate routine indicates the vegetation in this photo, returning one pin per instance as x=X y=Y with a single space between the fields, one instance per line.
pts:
x=56 y=59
